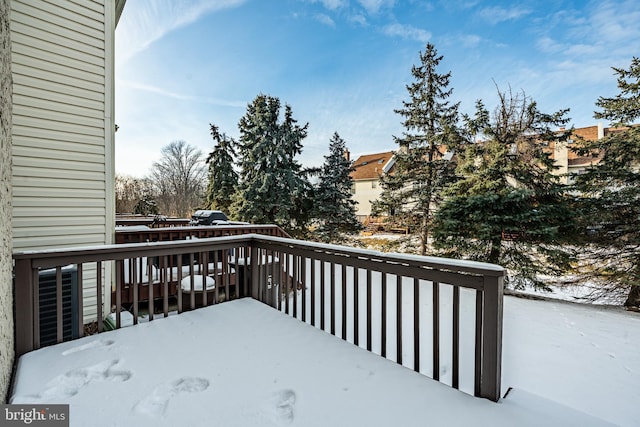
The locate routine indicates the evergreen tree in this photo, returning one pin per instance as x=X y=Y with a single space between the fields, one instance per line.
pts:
x=611 y=190
x=421 y=171
x=334 y=209
x=273 y=187
x=146 y=206
x=508 y=208
x=223 y=179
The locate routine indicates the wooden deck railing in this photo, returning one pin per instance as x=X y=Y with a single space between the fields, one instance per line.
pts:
x=134 y=235
x=390 y=304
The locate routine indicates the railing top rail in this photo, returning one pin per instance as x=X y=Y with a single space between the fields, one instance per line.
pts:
x=72 y=255
x=200 y=227
x=52 y=257
x=473 y=267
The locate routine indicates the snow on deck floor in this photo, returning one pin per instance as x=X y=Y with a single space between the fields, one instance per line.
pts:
x=244 y=364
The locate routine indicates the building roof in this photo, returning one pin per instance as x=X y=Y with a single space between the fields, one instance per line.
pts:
x=371 y=166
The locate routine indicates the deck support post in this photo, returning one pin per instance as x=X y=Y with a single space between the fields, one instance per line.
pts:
x=24 y=313
x=492 y=338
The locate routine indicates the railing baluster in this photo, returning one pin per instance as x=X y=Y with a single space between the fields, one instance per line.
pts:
x=80 y=293
x=192 y=293
x=322 y=295
x=179 y=281
x=356 y=308
x=287 y=276
x=255 y=291
x=270 y=296
x=303 y=274
x=478 y=345
x=369 y=312
x=455 y=354
x=295 y=285
x=399 y=320
x=436 y=331
x=203 y=267
x=245 y=269
x=343 y=268
x=416 y=324
x=277 y=277
x=59 y=321
x=99 y=295
x=136 y=289
x=119 y=281
x=332 y=294
x=313 y=292
x=220 y=276
x=165 y=286
x=150 y=287
x=383 y=321
x=35 y=307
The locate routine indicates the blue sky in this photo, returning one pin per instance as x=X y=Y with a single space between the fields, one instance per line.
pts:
x=343 y=65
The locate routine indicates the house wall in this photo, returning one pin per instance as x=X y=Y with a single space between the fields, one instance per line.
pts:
x=63 y=173
x=561 y=160
x=366 y=190
x=6 y=295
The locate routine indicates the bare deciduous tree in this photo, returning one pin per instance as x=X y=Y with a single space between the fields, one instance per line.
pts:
x=129 y=191
x=178 y=179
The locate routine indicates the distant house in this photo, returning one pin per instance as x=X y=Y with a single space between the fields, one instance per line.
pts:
x=569 y=162
x=57 y=148
x=366 y=175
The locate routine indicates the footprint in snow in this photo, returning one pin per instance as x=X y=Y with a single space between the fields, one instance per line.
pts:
x=281 y=405
x=156 y=403
x=70 y=383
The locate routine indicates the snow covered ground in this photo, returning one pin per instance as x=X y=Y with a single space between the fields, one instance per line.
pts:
x=244 y=364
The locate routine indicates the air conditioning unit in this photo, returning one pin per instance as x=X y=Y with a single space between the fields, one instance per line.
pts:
x=48 y=309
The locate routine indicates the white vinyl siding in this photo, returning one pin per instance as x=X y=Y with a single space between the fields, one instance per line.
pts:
x=62 y=65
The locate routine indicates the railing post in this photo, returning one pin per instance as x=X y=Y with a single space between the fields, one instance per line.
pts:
x=492 y=338
x=24 y=289
x=255 y=280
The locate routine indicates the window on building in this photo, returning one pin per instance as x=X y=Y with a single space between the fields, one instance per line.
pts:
x=374 y=184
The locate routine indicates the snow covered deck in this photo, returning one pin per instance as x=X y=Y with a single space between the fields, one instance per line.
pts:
x=243 y=363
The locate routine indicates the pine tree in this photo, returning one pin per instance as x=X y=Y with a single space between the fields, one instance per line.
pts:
x=223 y=179
x=334 y=209
x=273 y=187
x=508 y=208
x=421 y=171
x=611 y=191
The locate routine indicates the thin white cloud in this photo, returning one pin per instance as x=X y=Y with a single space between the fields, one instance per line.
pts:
x=325 y=19
x=182 y=97
x=495 y=15
x=333 y=4
x=145 y=21
x=549 y=45
x=616 y=22
x=374 y=6
x=359 y=19
x=470 y=40
x=608 y=33
x=407 y=32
